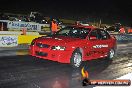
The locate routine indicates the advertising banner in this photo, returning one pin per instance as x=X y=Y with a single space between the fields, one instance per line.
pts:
x=29 y=26
x=8 y=41
x=16 y=25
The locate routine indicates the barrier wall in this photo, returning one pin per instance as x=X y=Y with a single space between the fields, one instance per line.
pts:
x=27 y=39
x=123 y=38
x=17 y=33
x=15 y=40
x=8 y=40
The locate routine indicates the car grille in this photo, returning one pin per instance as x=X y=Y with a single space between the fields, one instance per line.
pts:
x=40 y=45
x=41 y=54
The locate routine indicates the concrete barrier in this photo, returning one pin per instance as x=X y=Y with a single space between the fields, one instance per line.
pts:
x=17 y=33
x=15 y=40
x=123 y=38
x=8 y=40
x=27 y=39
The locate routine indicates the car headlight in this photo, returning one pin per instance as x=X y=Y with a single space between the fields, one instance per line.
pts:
x=58 y=48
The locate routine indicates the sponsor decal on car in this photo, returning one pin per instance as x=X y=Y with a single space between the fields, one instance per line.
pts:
x=100 y=46
x=94 y=52
x=58 y=39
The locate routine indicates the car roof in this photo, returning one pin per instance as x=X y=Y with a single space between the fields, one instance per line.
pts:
x=82 y=26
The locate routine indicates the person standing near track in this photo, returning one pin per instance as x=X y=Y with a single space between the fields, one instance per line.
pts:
x=54 y=26
x=122 y=30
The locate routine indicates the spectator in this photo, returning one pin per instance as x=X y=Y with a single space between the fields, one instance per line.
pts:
x=122 y=30
x=54 y=26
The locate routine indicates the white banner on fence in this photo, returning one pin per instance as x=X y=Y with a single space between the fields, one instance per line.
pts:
x=30 y=26
x=8 y=41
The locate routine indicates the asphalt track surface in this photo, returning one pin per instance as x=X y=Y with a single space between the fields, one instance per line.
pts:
x=19 y=70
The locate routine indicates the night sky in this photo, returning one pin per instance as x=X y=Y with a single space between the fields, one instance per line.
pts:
x=70 y=8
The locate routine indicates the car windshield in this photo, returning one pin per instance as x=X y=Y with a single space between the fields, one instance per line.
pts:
x=73 y=32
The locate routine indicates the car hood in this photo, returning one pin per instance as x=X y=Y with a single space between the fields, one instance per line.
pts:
x=61 y=40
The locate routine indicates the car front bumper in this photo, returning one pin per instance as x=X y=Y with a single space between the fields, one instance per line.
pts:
x=54 y=55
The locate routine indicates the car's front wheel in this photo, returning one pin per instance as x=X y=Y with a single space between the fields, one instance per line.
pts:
x=76 y=59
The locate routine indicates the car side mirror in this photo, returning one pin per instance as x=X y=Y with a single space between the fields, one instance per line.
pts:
x=93 y=38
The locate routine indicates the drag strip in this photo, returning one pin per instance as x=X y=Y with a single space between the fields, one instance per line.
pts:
x=24 y=71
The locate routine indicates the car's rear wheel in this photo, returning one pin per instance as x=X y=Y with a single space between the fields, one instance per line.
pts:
x=111 y=54
x=76 y=58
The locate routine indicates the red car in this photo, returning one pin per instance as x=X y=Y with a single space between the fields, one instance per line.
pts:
x=75 y=44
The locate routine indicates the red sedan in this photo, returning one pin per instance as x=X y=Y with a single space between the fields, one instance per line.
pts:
x=75 y=44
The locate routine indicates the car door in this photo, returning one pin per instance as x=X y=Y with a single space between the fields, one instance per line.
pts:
x=104 y=38
x=93 y=42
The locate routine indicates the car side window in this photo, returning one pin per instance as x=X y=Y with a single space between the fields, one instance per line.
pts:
x=103 y=35
x=93 y=35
